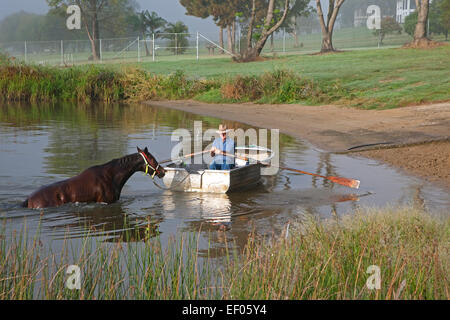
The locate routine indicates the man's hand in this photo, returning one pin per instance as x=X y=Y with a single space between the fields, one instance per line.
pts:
x=215 y=151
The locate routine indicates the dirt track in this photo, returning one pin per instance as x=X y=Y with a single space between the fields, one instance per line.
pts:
x=337 y=129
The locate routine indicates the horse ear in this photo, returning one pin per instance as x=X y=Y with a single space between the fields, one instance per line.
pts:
x=139 y=150
x=146 y=150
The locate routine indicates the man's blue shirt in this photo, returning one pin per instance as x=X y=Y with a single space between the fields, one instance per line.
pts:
x=227 y=146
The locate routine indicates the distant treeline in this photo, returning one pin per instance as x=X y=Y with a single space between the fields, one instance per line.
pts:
x=24 y=26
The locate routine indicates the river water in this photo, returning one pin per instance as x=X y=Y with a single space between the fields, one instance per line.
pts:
x=42 y=144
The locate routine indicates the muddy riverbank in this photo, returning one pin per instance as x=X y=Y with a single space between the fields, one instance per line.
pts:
x=337 y=129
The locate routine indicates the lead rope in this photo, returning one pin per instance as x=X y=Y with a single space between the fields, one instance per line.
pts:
x=171 y=187
x=147 y=165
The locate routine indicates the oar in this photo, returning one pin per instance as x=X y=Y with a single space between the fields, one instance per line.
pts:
x=186 y=156
x=352 y=183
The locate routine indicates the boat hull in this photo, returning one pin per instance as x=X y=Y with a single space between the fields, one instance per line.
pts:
x=212 y=181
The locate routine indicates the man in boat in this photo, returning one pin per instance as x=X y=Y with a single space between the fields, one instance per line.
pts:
x=220 y=145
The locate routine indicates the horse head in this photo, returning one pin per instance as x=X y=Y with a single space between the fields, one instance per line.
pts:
x=150 y=162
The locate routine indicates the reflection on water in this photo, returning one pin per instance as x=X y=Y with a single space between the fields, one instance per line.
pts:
x=46 y=143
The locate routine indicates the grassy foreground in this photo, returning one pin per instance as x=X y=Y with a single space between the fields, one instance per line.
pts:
x=314 y=260
x=366 y=79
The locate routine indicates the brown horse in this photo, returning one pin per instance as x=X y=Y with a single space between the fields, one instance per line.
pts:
x=101 y=183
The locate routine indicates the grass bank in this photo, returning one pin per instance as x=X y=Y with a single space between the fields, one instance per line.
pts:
x=384 y=78
x=19 y=82
x=365 y=79
x=314 y=260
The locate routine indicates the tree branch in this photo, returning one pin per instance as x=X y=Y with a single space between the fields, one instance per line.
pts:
x=269 y=16
x=334 y=14
x=280 y=22
x=321 y=19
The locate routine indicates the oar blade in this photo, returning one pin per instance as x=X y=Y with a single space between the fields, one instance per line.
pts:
x=352 y=183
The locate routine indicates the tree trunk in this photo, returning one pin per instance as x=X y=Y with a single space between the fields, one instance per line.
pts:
x=327 y=42
x=233 y=36
x=420 y=33
x=252 y=53
x=147 y=52
x=230 y=44
x=94 y=42
x=96 y=32
x=93 y=34
x=294 y=31
x=250 y=26
x=328 y=26
x=296 y=40
x=221 y=40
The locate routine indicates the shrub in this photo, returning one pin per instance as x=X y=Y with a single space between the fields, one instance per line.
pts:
x=410 y=23
x=280 y=86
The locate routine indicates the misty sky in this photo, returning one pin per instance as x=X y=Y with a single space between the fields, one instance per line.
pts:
x=171 y=10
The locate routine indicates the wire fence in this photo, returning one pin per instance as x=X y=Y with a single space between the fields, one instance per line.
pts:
x=185 y=46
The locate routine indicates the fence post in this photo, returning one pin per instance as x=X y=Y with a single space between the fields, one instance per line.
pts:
x=62 y=52
x=101 y=52
x=139 y=47
x=176 y=44
x=284 y=40
x=197 y=45
x=153 y=47
x=25 y=52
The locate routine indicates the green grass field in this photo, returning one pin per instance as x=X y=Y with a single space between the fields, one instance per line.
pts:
x=376 y=78
x=370 y=78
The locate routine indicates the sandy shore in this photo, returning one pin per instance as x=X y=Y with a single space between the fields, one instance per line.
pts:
x=337 y=129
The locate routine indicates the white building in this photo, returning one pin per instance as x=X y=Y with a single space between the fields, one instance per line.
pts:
x=404 y=9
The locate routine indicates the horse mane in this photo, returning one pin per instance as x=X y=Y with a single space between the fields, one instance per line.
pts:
x=125 y=161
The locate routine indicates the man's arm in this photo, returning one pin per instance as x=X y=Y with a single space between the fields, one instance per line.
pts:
x=214 y=149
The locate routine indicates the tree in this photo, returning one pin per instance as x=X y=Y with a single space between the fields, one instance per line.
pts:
x=264 y=17
x=97 y=12
x=388 y=26
x=328 y=25
x=439 y=17
x=177 y=35
x=273 y=19
x=300 y=9
x=140 y=24
x=148 y=23
x=444 y=16
x=222 y=12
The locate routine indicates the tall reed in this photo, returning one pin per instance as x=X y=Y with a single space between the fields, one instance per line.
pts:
x=24 y=82
x=314 y=260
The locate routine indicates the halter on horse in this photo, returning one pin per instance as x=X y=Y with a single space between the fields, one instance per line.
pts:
x=102 y=183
